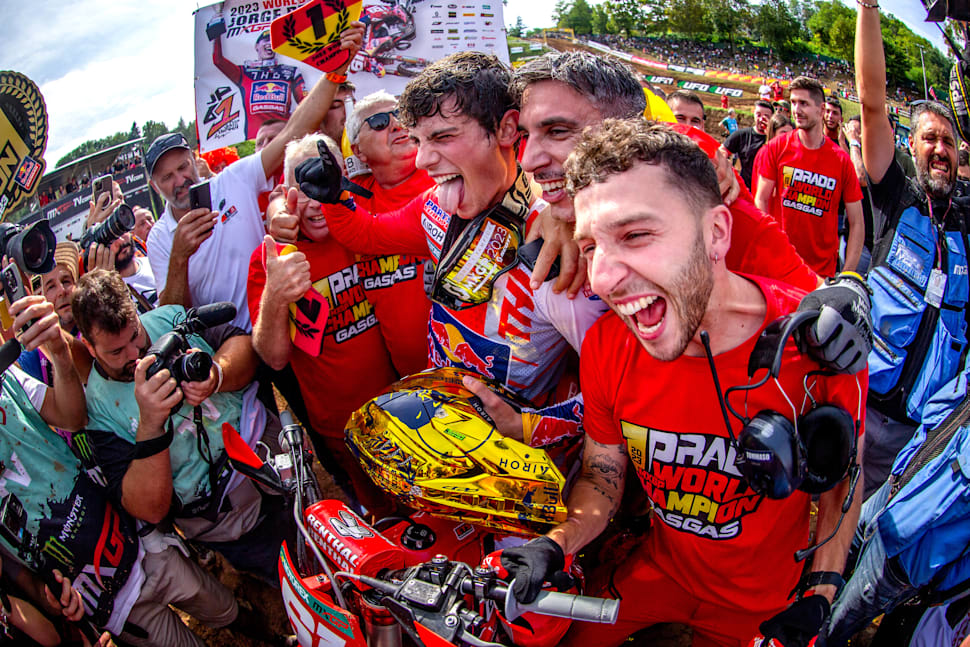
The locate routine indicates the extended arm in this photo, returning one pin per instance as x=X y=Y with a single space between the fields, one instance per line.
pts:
x=870 y=73
x=856 y=237
x=762 y=198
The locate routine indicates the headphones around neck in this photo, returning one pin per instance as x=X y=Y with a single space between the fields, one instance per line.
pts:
x=777 y=454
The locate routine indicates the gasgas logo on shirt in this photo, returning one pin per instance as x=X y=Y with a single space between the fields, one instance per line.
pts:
x=691 y=480
x=350 y=312
x=807 y=191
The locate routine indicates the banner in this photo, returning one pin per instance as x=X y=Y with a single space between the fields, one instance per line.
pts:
x=240 y=82
x=662 y=80
x=713 y=89
x=403 y=38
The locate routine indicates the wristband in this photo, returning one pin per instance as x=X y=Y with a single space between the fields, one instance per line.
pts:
x=148 y=448
x=855 y=143
x=335 y=78
x=817 y=578
x=867 y=5
x=218 y=368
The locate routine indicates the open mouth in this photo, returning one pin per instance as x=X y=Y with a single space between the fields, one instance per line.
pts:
x=649 y=314
x=451 y=191
x=553 y=190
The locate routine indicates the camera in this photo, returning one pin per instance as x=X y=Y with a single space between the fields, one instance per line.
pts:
x=120 y=222
x=30 y=247
x=171 y=349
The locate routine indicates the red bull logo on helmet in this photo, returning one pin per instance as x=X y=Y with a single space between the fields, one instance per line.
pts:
x=453 y=344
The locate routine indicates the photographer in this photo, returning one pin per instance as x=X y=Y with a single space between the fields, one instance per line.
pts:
x=52 y=500
x=159 y=439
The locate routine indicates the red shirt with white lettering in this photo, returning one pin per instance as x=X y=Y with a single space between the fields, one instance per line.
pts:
x=714 y=536
x=395 y=283
x=353 y=365
x=809 y=185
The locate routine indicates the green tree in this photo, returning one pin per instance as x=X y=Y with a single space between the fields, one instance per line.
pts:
x=134 y=133
x=833 y=29
x=600 y=20
x=776 y=26
x=688 y=17
x=518 y=28
x=626 y=16
x=578 y=17
x=727 y=17
x=654 y=17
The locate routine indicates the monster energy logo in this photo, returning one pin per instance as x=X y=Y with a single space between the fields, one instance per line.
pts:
x=56 y=549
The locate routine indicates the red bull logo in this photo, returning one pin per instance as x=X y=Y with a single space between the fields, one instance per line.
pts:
x=452 y=343
x=268 y=96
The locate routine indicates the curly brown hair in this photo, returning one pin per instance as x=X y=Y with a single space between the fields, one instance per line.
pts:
x=621 y=143
x=478 y=83
x=101 y=300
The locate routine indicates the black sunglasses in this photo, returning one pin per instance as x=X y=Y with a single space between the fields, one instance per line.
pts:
x=381 y=120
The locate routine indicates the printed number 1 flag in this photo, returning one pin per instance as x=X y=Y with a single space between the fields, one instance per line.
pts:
x=311 y=34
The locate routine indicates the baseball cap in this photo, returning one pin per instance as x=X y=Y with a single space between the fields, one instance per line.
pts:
x=66 y=254
x=162 y=145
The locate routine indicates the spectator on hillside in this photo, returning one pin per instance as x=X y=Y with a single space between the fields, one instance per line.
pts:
x=730 y=123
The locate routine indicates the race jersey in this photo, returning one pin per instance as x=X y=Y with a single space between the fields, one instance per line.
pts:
x=268 y=88
x=353 y=365
x=521 y=338
x=394 y=283
x=113 y=417
x=715 y=536
x=810 y=184
x=70 y=523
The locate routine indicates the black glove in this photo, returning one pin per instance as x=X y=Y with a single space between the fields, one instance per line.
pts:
x=841 y=337
x=799 y=623
x=319 y=177
x=532 y=564
x=321 y=180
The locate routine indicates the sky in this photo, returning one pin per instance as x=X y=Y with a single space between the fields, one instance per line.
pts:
x=103 y=64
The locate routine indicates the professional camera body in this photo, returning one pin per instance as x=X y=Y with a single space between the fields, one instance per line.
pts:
x=30 y=246
x=171 y=350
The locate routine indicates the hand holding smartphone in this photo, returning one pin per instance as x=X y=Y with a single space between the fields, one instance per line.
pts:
x=199 y=196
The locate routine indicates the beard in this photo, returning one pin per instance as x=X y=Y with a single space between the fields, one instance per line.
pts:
x=687 y=297
x=937 y=188
x=125 y=256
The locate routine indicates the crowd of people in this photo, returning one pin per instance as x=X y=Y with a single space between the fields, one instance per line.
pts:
x=751 y=346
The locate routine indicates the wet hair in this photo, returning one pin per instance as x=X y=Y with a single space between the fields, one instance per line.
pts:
x=813 y=87
x=622 y=143
x=608 y=84
x=101 y=300
x=689 y=97
x=478 y=83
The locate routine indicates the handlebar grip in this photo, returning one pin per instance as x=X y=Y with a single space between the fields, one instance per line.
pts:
x=564 y=605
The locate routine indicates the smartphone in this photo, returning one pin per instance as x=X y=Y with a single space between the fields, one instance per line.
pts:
x=102 y=185
x=13 y=284
x=199 y=196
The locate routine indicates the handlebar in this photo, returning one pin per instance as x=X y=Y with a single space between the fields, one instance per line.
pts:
x=435 y=593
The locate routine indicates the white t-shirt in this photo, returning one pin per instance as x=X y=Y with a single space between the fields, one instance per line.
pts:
x=219 y=269
x=143 y=281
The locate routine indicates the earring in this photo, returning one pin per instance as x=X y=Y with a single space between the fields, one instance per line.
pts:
x=715 y=258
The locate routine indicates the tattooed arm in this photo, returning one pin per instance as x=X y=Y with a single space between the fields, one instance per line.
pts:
x=595 y=497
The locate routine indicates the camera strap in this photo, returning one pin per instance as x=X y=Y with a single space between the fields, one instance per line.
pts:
x=202 y=443
x=147 y=448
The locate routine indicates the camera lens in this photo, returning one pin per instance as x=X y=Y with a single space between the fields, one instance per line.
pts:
x=32 y=247
x=120 y=222
x=192 y=367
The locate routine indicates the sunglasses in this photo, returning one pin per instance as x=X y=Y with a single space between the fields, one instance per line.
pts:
x=381 y=120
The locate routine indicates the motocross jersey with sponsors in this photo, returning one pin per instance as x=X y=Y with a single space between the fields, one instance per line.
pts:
x=394 y=283
x=715 y=534
x=352 y=364
x=521 y=337
x=268 y=88
x=69 y=522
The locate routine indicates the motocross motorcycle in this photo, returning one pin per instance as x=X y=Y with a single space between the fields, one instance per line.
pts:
x=388 y=30
x=428 y=441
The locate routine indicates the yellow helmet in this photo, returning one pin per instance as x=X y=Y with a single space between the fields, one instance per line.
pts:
x=427 y=440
